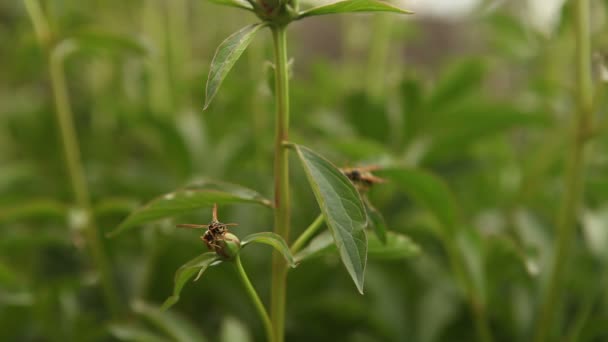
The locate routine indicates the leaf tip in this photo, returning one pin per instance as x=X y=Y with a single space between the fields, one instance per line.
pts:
x=169 y=303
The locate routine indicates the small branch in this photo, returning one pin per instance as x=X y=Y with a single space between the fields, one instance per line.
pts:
x=255 y=298
x=572 y=196
x=308 y=234
x=71 y=148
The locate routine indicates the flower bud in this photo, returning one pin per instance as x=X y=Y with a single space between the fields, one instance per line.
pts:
x=229 y=246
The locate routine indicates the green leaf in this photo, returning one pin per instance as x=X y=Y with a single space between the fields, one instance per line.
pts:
x=187 y=271
x=175 y=326
x=273 y=240
x=39 y=208
x=234 y=3
x=397 y=246
x=428 y=190
x=319 y=245
x=105 y=42
x=203 y=193
x=133 y=333
x=226 y=55
x=343 y=209
x=350 y=6
x=233 y=330
x=462 y=79
x=376 y=221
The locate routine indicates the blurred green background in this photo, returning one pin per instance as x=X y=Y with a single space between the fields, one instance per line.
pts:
x=482 y=97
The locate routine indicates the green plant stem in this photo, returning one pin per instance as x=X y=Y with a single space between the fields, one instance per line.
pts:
x=573 y=191
x=254 y=297
x=281 y=180
x=56 y=54
x=379 y=52
x=476 y=304
x=79 y=184
x=308 y=234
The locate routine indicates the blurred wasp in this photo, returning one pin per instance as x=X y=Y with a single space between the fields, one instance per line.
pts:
x=216 y=232
x=362 y=177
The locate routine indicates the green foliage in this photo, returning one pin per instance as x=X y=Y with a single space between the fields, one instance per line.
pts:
x=199 y=194
x=196 y=266
x=226 y=56
x=343 y=209
x=273 y=240
x=471 y=121
x=349 y=6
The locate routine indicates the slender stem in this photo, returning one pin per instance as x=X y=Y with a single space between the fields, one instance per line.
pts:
x=379 y=52
x=253 y=294
x=476 y=304
x=308 y=234
x=281 y=180
x=71 y=149
x=572 y=196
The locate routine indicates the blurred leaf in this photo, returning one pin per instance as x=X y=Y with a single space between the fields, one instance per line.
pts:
x=370 y=118
x=350 y=6
x=203 y=193
x=344 y=212
x=226 y=55
x=128 y=332
x=103 y=42
x=398 y=246
x=319 y=245
x=471 y=247
x=40 y=208
x=427 y=189
x=461 y=80
x=114 y=205
x=233 y=330
x=274 y=240
x=187 y=271
x=595 y=231
x=376 y=221
x=174 y=325
x=233 y=3
x=461 y=126
x=7 y=275
x=357 y=149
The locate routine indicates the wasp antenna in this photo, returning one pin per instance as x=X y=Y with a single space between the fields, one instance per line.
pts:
x=231 y=224
x=214 y=212
x=192 y=226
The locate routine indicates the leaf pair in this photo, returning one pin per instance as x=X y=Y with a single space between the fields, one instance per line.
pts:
x=202 y=262
x=231 y=49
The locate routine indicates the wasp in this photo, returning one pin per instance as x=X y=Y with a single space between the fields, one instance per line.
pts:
x=216 y=235
x=362 y=177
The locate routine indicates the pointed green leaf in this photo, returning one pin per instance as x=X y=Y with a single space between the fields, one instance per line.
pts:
x=39 y=208
x=376 y=220
x=97 y=42
x=226 y=55
x=350 y=6
x=427 y=189
x=187 y=271
x=397 y=246
x=343 y=210
x=273 y=240
x=201 y=194
x=174 y=325
x=319 y=245
x=234 y=3
x=133 y=333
